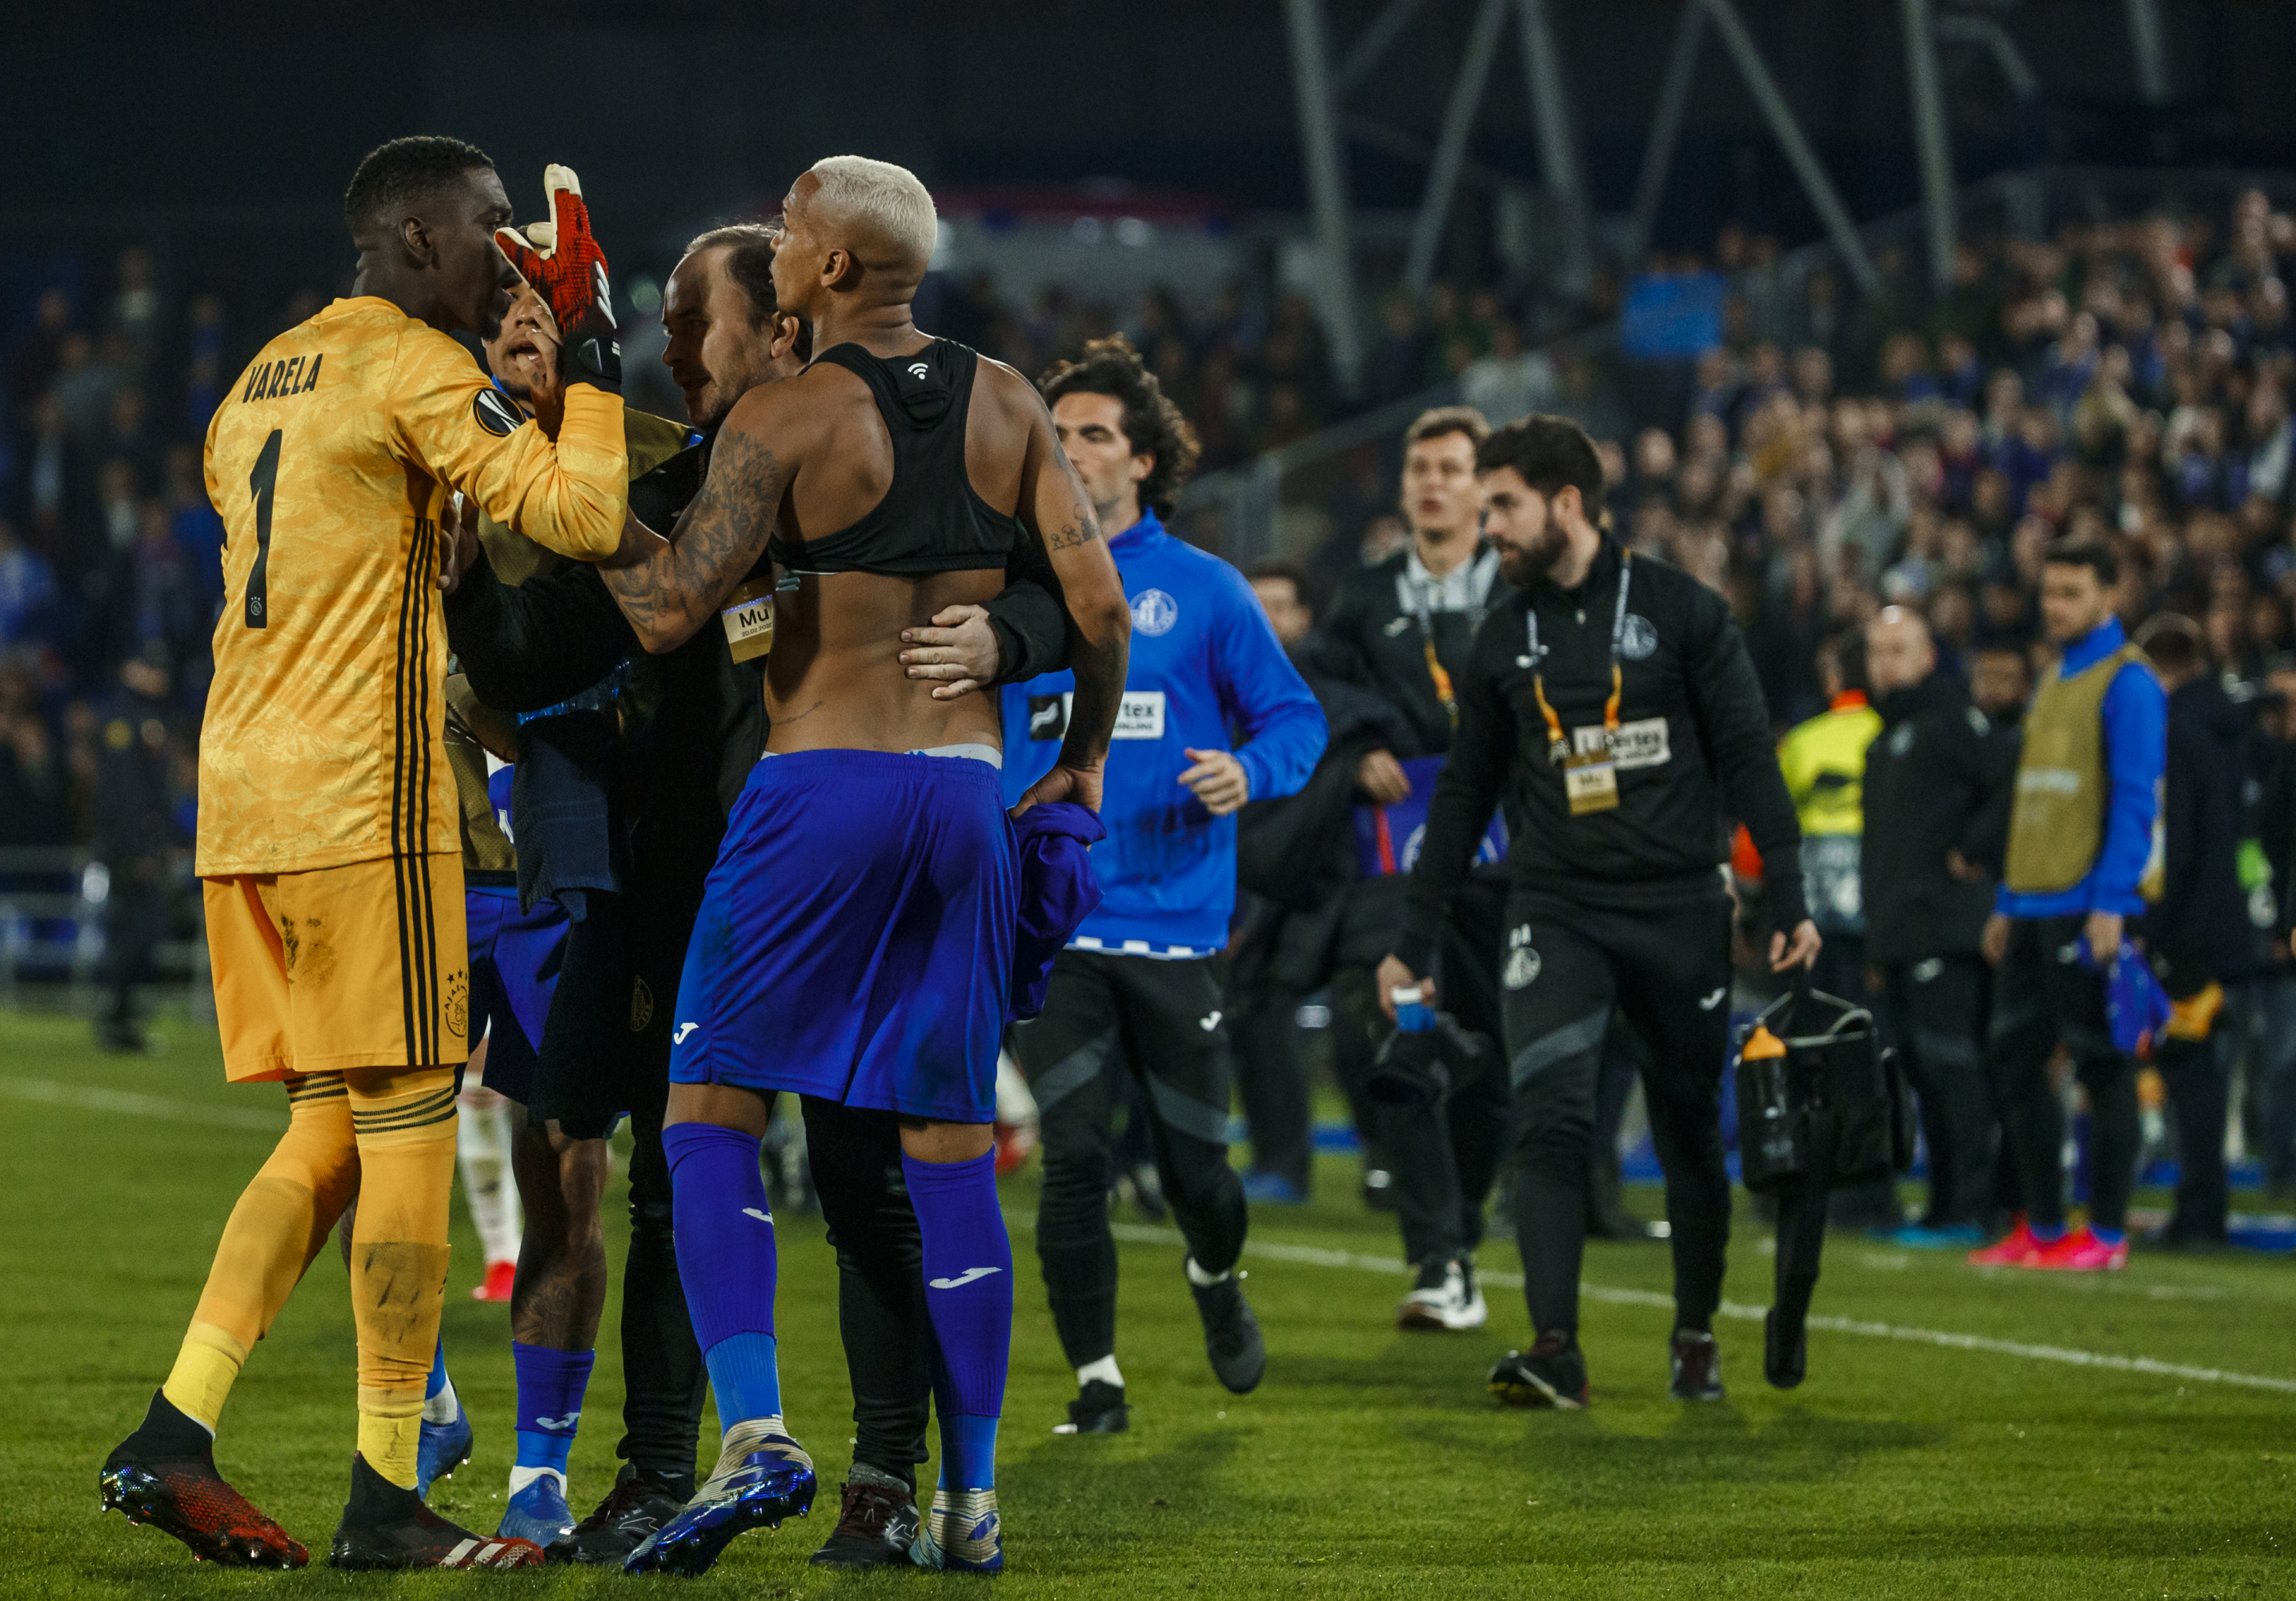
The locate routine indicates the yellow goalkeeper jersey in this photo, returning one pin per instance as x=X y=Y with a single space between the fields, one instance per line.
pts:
x=330 y=461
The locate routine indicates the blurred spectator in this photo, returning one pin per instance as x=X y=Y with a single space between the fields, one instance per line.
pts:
x=1511 y=381
x=27 y=593
x=134 y=831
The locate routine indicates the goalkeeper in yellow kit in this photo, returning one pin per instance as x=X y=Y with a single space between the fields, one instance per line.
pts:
x=328 y=827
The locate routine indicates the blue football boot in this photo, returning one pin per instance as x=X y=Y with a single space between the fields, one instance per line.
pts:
x=762 y=1477
x=538 y=1513
x=444 y=1447
x=963 y=1534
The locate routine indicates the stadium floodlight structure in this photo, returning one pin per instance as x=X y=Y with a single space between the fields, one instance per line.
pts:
x=1320 y=90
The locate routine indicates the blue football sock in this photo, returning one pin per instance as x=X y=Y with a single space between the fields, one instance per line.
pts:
x=550 y=1388
x=968 y=1269
x=2109 y=1236
x=437 y=1380
x=726 y=1259
x=2049 y=1234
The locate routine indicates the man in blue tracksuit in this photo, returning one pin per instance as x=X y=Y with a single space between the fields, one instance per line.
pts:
x=1214 y=715
x=2080 y=836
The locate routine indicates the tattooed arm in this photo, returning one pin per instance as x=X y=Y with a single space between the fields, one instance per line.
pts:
x=667 y=591
x=1055 y=509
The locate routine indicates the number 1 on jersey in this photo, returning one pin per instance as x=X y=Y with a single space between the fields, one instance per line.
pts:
x=262 y=483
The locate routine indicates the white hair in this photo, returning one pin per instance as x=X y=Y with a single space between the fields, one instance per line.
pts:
x=890 y=197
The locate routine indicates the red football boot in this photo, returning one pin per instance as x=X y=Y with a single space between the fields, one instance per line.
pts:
x=164 y=1474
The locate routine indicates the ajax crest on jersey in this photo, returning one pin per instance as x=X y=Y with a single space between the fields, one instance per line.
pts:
x=1153 y=612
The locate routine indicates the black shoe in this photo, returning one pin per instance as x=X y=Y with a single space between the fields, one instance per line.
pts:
x=1553 y=1373
x=387 y=1528
x=164 y=1474
x=640 y=1502
x=1697 y=1364
x=1099 y=1409
x=1231 y=1337
x=1783 y=1361
x=876 y=1522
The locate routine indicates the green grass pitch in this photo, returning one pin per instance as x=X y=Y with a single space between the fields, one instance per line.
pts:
x=1371 y=1463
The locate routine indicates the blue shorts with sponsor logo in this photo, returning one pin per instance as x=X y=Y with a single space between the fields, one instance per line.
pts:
x=855 y=936
x=514 y=961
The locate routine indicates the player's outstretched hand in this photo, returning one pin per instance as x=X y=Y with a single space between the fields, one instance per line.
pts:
x=958 y=655
x=1080 y=785
x=561 y=259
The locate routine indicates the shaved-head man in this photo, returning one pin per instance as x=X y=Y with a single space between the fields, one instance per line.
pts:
x=1937 y=780
x=857 y=938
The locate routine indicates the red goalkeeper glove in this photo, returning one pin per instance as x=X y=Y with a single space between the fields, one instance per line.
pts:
x=563 y=263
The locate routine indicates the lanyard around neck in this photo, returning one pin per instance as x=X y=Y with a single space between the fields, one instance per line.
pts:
x=1420 y=610
x=1558 y=747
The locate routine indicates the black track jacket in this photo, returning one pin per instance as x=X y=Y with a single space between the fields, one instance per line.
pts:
x=1694 y=749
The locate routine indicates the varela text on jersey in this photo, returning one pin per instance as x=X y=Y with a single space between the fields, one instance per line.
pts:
x=276 y=379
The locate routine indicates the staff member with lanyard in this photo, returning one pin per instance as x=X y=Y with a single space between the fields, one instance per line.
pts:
x=1402 y=631
x=1611 y=705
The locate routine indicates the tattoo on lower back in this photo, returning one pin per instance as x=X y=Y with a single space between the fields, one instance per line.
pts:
x=717 y=543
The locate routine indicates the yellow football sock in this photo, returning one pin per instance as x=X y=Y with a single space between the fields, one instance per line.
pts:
x=405 y=1123
x=283 y=1219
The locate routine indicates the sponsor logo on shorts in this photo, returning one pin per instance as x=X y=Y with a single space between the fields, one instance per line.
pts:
x=458 y=1004
x=1153 y=612
x=641 y=1004
x=762 y=1216
x=683 y=1029
x=964 y=1278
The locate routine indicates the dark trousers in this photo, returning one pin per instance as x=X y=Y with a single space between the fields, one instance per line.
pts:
x=2197 y=1074
x=2044 y=993
x=608 y=1037
x=1665 y=967
x=882 y=1316
x=1276 y=959
x=2259 y=1021
x=1936 y=1009
x=1107 y=1018
x=1445 y=1157
x=134 y=922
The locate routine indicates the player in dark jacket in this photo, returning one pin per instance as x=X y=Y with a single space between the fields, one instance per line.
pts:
x=1611 y=703
x=2198 y=932
x=1935 y=778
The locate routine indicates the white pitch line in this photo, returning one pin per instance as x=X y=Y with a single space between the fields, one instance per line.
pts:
x=88 y=1098
x=1315 y=1256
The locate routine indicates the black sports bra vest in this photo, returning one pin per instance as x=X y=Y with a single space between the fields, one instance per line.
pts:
x=930 y=520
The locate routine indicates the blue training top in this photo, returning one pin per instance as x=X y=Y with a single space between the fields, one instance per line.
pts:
x=2135 y=758
x=1206 y=672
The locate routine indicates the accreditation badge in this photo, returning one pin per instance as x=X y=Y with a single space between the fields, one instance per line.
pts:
x=749 y=619
x=1591 y=782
